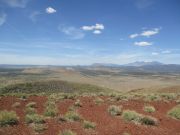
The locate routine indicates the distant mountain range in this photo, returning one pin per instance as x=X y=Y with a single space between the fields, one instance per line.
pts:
x=138 y=66
x=135 y=64
x=141 y=66
x=142 y=63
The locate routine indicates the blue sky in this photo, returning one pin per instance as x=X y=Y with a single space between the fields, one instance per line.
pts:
x=81 y=32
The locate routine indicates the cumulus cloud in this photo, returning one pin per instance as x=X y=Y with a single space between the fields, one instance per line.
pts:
x=97 y=28
x=3 y=17
x=155 y=53
x=166 y=51
x=93 y=27
x=16 y=3
x=149 y=33
x=146 y=33
x=33 y=15
x=134 y=35
x=143 y=43
x=50 y=10
x=97 y=32
x=72 y=32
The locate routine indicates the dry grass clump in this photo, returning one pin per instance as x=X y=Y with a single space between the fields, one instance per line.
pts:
x=98 y=100
x=89 y=125
x=175 y=112
x=31 y=104
x=72 y=116
x=8 y=118
x=135 y=117
x=78 y=103
x=149 y=109
x=39 y=127
x=115 y=110
x=51 y=109
x=34 y=118
x=16 y=105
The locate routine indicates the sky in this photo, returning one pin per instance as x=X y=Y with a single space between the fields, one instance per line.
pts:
x=82 y=32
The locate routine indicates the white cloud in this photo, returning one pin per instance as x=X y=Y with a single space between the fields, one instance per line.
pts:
x=143 y=43
x=97 y=28
x=72 y=32
x=134 y=35
x=149 y=33
x=97 y=32
x=50 y=10
x=166 y=52
x=146 y=33
x=16 y=3
x=155 y=53
x=33 y=15
x=87 y=28
x=3 y=17
x=93 y=27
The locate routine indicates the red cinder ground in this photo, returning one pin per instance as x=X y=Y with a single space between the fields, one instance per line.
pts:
x=106 y=124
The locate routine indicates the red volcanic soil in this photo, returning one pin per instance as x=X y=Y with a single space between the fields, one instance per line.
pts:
x=105 y=123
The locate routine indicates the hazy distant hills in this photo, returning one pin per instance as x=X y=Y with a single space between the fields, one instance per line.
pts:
x=138 y=66
x=142 y=63
x=141 y=66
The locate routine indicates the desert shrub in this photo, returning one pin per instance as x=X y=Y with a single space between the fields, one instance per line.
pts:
x=50 y=112
x=121 y=97
x=34 y=118
x=23 y=97
x=175 y=112
x=147 y=120
x=39 y=127
x=16 y=105
x=168 y=96
x=101 y=94
x=72 y=116
x=8 y=118
x=149 y=109
x=51 y=109
x=178 y=101
x=139 y=118
x=112 y=94
x=152 y=97
x=131 y=116
x=30 y=110
x=98 y=100
x=61 y=118
x=78 y=103
x=115 y=110
x=31 y=104
x=67 y=132
x=89 y=125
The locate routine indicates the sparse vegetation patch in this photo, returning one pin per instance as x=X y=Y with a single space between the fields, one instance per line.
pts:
x=51 y=109
x=8 y=118
x=34 y=118
x=89 y=125
x=98 y=100
x=138 y=118
x=72 y=116
x=115 y=110
x=175 y=112
x=149 y=109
